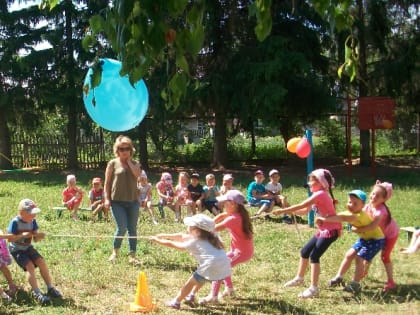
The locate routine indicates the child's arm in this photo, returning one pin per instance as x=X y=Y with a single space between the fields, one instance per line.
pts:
x=220 y=217
x=302 y=207
x=174 y=236
x=38 y=236
x=340 y=217
x=368 y=227
x=171 y=240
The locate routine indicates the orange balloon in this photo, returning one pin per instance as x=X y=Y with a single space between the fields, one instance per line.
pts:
x=387 y=124
x=303 y=148
x=292 y=144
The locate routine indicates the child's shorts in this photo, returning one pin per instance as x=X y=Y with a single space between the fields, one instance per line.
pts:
x=210 y=204
x=259 y=202
x=22 y=257
x=367 y=249
x=199 y=278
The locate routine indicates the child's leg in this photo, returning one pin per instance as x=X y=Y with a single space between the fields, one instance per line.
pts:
x=188 y=287
x=359 y=269
x=321 y=245
x=8 y=275
x=43 y=269
x=386 y=258
x=346 y=262
x=30 y=275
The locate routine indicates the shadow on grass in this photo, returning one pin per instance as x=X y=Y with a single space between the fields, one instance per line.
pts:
x=25 y=300
x=244 y=306
x=403 y=293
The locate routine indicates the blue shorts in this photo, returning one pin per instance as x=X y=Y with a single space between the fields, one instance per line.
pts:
x=259 y=202
x=367 y=249
x=199 y=278
x=22 y=257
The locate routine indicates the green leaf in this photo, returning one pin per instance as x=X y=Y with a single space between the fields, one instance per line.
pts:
x=196 y=40
x=182 y=63
x=88 y=42
x=176 y=7
x=96 y=23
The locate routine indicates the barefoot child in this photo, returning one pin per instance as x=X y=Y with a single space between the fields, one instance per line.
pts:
x=366 y=247
x=320 y=182
x=23 y=229
x=237 y=221
x=72 y=196
x=202 y=242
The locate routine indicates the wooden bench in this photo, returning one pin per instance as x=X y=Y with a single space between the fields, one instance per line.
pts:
x=410 y=230
x=60 y=210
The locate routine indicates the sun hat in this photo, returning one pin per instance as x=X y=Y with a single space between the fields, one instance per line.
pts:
x=28 y=206
x=259 y=172
x=96 y=180
x=143 y=174
x=272 y=172
x=227 y=177
x=358 y=194
x=195 y=175
x=232 y=195
x=166 y=176
x=201 y=221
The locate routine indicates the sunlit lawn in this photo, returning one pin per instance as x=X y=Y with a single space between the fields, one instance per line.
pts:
x=77 y=253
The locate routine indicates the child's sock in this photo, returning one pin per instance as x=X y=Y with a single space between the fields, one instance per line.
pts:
x=49 y=286
x=37 y=291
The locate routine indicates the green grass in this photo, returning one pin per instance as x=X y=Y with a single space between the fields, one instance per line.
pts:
x=91 y=285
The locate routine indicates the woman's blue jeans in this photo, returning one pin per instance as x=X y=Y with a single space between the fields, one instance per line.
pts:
x=126 y=215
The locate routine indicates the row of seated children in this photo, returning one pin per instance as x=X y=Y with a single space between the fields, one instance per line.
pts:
x=266 y=197
x=73 y=197
x=190 y=193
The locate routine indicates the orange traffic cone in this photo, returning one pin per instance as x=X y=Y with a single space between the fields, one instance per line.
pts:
x=143 y=300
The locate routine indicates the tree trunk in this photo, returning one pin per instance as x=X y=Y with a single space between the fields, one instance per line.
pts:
x=363 y=91
x=144 y=155
x=70 y=98
x=5 y=145
x=220 y=142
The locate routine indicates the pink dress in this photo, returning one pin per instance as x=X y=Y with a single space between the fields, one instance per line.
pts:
x=325 y=208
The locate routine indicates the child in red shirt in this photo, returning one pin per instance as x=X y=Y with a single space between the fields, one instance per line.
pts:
x=96 y=197
x=72 y=196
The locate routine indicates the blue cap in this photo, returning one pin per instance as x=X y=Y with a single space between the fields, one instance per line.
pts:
x=359 y=194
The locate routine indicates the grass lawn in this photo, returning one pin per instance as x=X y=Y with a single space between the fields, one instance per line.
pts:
x=77 y=253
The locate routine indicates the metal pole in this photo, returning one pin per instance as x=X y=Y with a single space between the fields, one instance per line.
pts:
x=309 y=169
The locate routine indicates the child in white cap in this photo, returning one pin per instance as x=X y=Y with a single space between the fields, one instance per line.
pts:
x=202 y=242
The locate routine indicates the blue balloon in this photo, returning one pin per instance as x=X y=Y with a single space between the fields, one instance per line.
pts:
x=115 y=104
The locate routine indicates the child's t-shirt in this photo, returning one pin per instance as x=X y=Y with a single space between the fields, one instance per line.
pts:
x=70 y=192
x=259 y=188
x=211 y=193
x=324 y=206
x=95 y=195
x=17 y=226
x=391 y=230
x=181 y=192
x=363 y=219
x=239 y=240
x=165 y=189
x=274 y=188
x=213 y=263
x=144 y=191
x=195 y=191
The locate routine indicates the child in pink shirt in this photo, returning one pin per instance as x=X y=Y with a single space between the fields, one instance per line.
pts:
x=237 y=221
x=381 y=216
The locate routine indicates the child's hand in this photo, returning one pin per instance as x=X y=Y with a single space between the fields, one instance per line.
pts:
x=26 y=234
x=319 y=220
x=354 y=229
x=39 y=236
x=277 y=211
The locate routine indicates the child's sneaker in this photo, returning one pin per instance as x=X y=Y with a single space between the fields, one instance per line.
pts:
x=209 y=299
x=336 y=281
x=295 y=282
x=173 y=304
x=228 y=292
x=41 y=299
x=390 y=285
x=6 y=299
x=54 y=293
x=353 y=287
x=190 y=299
x=310 y=292
x=12 y=290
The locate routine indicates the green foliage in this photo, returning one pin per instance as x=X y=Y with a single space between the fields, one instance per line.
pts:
x=333 y=137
